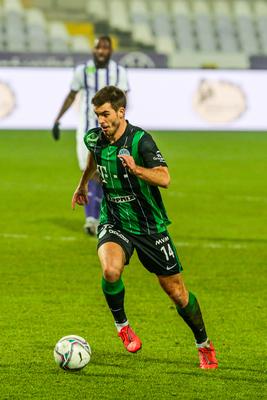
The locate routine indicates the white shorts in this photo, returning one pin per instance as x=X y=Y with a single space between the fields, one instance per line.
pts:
x=81 y=149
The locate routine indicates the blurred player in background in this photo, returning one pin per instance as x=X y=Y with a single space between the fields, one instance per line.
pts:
x=88 y=79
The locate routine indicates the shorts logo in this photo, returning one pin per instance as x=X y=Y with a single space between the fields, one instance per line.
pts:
x=104 y=231
x=108 y=229
x=163 y=240
x=168 y=268
x=120 y=235
x=124 y=152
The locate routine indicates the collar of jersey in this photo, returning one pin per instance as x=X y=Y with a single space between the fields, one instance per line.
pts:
x=121 y=140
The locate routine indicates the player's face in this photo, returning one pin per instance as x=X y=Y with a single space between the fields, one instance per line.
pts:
x=102 y=52
x=109 y=119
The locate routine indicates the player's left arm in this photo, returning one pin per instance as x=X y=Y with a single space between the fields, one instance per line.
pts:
x=80 y=195
x=155 y=170
x=157 y=176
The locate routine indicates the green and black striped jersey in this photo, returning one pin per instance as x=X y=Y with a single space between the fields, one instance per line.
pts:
x=128 y=202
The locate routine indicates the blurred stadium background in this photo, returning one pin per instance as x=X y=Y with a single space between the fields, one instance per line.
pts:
x=186 y=33
x=208 y=57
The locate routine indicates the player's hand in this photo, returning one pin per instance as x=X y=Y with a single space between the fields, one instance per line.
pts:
x=129 y=163
x=80 y=197
x=56 y=131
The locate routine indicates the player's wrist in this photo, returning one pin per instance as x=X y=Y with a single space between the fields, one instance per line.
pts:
x=138 y=171
x=82 y=186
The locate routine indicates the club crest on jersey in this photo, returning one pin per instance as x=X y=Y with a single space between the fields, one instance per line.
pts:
x=124 y=152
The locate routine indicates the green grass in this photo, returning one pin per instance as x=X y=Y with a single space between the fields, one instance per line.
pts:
x=50 y=275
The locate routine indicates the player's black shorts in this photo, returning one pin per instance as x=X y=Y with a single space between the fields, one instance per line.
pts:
x=156 y=252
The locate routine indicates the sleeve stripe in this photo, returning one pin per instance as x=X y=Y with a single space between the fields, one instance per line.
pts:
x=118 y=75
x=86 y=99
x=96 y=88
x=107 y=75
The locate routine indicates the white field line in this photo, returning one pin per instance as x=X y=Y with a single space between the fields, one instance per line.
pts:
x=179 y=244
x=14 y=236
x=212 y=245
x=61 y=238
x=250 y=199
x=22 y=236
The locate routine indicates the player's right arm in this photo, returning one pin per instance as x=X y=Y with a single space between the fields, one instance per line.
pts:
x=80 y=195
x=76 y=85
x=66 y=104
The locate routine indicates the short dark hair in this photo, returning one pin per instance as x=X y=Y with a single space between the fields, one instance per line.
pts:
x=110 y=94
x=105 y=38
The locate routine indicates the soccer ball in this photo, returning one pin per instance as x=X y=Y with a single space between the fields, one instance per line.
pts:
x=72 y=353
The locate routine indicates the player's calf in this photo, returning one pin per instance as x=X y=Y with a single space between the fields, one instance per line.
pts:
x=174 y=287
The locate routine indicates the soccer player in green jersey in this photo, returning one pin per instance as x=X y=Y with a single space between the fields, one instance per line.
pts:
x=133 y=217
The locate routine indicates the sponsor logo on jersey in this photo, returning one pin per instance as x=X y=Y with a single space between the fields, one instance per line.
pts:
x=163 y=240
x=124 y=152
x=159 y=157
x=91 y=69
x=102 y=170
x=122 y=199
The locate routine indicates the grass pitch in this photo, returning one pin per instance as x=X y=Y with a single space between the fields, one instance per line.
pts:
x=50 y=276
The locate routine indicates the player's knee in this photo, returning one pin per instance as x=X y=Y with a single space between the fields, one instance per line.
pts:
x=180 y=297
x=111 y=273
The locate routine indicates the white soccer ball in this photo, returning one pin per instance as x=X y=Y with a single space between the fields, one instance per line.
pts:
x=72 y=353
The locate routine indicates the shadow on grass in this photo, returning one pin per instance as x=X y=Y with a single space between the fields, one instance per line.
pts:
x=138 y=359
x=222 y=373
x=88 y=371
x=219 y=374
x=109 y=375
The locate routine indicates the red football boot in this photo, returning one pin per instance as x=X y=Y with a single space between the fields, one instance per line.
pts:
x=207 y=357
x=131 y=342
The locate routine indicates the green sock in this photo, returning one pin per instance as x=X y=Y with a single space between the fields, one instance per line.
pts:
x=192 y=316
x=114 y=293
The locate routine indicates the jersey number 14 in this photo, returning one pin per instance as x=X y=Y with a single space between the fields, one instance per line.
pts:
x=167 y=250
